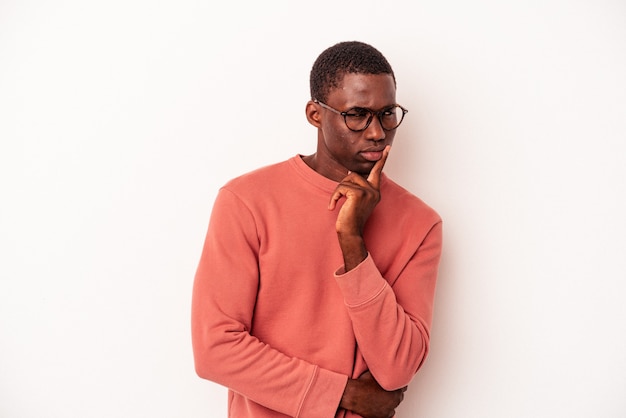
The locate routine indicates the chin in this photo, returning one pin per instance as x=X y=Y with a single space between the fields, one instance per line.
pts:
x=364 y=167
x=363 y=172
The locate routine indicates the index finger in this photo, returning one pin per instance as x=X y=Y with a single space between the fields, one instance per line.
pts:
x=374 y=177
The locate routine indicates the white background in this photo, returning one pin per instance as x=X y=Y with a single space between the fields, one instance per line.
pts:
x=119 y=120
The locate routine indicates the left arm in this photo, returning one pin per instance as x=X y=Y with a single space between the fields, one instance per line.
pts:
x=391 y=325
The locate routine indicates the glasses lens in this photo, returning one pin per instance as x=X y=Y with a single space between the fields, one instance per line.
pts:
x=357 y=119
x=392 y=117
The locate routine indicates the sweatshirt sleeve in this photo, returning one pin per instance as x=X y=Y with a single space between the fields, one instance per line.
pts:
x=392 y=323
x=224 y=295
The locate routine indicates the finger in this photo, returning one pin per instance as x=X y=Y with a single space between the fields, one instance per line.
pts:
x=334 y=198
x=350 y=182
x=374 y=176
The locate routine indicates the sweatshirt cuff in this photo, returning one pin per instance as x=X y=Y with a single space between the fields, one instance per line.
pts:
x=324 y=394
x=361 y=284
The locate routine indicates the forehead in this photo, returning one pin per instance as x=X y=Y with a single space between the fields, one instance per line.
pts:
x=365 y=90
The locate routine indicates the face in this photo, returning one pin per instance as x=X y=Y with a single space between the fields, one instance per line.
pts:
x=339 y=149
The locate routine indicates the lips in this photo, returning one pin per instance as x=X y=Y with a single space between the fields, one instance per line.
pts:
x=372 y=155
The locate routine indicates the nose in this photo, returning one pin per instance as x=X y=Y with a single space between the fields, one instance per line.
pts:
x=375 y=131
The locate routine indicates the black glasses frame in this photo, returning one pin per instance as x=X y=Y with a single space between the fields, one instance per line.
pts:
x=378 y=114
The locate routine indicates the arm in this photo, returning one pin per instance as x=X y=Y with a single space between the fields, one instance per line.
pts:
x=391 y=325
x=224 y=295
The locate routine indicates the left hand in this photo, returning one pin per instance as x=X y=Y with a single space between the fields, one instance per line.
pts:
x=362 y=195
x=368 y=399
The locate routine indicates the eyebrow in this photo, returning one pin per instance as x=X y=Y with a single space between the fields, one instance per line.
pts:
x=375 y=110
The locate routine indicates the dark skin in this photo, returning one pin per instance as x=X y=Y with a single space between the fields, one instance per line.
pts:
x=355 y=160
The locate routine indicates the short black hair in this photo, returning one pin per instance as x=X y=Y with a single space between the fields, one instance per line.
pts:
x=343 y=58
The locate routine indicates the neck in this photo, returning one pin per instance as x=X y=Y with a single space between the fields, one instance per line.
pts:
x=326 y=170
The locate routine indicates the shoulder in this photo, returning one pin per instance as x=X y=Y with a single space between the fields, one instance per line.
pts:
x=250 y=192
x=258 y=180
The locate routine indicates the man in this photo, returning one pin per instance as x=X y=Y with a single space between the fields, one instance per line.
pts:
x=313 y=296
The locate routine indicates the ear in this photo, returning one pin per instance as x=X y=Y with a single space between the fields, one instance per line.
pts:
x=313 y=114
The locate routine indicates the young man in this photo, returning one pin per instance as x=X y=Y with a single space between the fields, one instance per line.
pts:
x=314 y=293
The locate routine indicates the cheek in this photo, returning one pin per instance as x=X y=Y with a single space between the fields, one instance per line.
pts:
x=346 y=140
x=344 y=144
x=339 y=139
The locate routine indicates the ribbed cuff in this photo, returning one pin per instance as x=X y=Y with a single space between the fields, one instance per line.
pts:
x=361 y=284
x=324 y=394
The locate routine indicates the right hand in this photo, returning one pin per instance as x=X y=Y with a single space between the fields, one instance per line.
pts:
x=364 y=396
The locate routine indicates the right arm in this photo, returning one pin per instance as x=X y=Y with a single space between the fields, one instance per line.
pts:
x=224 y=296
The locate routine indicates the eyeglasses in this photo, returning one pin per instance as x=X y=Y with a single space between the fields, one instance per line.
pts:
x=359 y=118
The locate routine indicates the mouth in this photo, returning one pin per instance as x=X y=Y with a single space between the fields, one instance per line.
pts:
x=372 y=154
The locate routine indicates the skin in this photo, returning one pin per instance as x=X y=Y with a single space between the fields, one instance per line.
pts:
x=355 y=160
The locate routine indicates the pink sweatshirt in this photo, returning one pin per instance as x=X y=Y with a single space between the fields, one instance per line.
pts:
x=275 y=319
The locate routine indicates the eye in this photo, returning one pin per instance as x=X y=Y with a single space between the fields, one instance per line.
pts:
x=358 y=113
x=391 y=111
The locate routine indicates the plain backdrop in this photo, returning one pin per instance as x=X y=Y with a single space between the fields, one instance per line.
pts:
x=119 y=121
